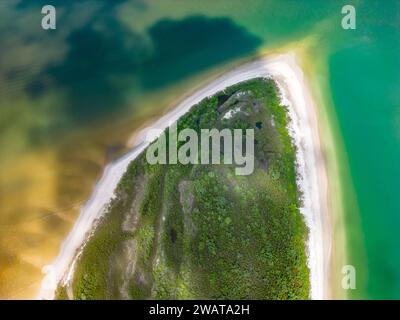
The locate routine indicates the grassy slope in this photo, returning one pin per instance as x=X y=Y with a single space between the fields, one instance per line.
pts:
x=202 y=231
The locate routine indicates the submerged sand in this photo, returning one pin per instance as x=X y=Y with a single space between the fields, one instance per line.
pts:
x=311 y=168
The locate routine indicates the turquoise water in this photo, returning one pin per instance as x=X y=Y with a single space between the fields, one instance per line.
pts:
x=365 y=82
x=65 y=96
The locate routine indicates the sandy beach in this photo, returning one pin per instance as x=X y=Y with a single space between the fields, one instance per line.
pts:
x=312 y=176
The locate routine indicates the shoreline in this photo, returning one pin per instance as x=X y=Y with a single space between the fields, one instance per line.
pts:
x=312 y=180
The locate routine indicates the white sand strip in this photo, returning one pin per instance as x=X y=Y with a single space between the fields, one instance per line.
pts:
x=312 y=179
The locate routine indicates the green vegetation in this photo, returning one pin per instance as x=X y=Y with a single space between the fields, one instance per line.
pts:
x=200 y=231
